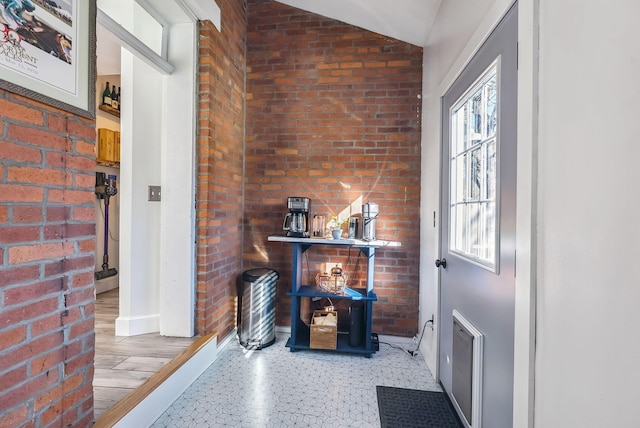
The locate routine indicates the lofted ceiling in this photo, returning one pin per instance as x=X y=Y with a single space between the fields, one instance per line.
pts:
x=406 y=20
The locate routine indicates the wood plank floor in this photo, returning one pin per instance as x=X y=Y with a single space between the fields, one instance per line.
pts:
x=123 y=363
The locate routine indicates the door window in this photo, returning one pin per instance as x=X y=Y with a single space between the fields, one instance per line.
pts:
x=473 y=173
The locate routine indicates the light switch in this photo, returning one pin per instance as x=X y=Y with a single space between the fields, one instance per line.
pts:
x=154 y=193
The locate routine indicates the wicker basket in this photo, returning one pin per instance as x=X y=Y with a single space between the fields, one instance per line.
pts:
x=323 y=336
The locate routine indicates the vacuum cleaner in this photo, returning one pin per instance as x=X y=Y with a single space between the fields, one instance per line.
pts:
x=105 y=189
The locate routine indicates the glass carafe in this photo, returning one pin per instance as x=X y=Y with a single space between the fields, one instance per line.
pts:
x=317 y=226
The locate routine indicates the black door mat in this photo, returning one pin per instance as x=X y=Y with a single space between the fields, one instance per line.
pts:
x=413 y=408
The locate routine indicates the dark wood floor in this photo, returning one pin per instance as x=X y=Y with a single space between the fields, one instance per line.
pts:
x=124 y=363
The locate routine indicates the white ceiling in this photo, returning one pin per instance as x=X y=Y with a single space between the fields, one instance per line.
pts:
x=406 y=20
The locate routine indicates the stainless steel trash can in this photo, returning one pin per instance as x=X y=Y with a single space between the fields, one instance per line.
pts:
x=257 y=317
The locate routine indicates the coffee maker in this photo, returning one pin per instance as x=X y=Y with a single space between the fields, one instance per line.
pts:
x=296 y=222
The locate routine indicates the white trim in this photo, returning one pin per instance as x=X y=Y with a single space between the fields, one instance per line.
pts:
x=132 y=44
x=133 y=326
x=163 y=23
x=202 y=10
x=159 y=400
x=526 y=216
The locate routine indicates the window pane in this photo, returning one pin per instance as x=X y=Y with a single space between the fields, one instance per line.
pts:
x=473 y=173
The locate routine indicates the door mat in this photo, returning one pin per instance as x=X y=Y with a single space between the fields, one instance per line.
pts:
x=412 y=408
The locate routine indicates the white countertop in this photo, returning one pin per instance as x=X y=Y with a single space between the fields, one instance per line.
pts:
x=331 y=241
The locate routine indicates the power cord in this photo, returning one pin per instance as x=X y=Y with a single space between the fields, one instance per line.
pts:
x=424 y=327
x=413 y=352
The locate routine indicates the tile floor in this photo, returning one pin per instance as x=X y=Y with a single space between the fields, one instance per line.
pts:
x=274 y=387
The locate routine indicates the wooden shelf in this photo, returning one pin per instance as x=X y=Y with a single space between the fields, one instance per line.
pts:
x=109 y=110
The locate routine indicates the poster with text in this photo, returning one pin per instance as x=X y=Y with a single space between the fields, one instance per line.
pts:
x=37 y=40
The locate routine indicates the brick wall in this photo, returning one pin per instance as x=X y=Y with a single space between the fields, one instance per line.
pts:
x=333 y=114
x=220 y=163
x=47 y=245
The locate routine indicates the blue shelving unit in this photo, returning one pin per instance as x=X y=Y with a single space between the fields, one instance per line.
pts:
x=299 y=339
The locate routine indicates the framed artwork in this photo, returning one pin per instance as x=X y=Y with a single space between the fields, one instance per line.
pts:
x=47 y=52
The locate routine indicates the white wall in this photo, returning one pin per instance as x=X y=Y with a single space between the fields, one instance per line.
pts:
x=140 y=219
x=587 y=354
x=177 y=221
x=577 y=156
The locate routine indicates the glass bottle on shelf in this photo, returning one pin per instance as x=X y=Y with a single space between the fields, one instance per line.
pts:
x=118 y=98
x=114 y=97
x=106 y=95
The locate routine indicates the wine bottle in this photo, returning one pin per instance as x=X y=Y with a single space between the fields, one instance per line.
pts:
x=114 y=97
x=118 y=97
x=106 y=96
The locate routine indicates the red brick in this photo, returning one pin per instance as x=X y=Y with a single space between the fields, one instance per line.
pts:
x=33 y=175
x=47 y=362
x=28 y=390
x=84 y=214
x=20 y=153
x=77 y=396
x=85 y=180
x=4 y=212
x=79 y=362
x=68 y=161
x=25 y=293
x=10 y=337
x=16 y=234
x=20 y=193
x=82 y=129
x=24 y=254
x=57 y=123
x=70 y=197
x=87 y=245
x=19 y=274
x=37 y=137
x=26 y=214
x=54 y=214
x=369 y=127
x=46 y=325
x=26 y=313
x=53 y=411
x=84 y=148
x=14 y=418
x=82 y=296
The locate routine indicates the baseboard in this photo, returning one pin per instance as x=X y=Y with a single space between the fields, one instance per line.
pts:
x=133 y=326
x=146 y=403
x=107 y=284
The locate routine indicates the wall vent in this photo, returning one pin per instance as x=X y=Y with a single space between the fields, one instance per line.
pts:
x=466 y=377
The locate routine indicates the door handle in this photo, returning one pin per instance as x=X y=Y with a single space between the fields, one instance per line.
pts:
x=442 y=263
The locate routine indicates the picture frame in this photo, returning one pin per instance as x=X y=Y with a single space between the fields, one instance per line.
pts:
x=48 y=52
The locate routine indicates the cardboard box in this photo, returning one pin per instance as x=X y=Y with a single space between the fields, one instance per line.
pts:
x=323 y=336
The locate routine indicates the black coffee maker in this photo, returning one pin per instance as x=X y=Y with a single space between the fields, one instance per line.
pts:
x=296 y=222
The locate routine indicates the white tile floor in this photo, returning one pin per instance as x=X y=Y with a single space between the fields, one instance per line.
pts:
x=274 y=387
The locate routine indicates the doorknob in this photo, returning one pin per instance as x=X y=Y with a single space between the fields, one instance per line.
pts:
x=442 y=263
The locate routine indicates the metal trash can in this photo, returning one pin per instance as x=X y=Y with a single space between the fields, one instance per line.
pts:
x=257 y=303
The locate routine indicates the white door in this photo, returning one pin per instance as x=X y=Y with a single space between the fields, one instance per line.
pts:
x=477 y=255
